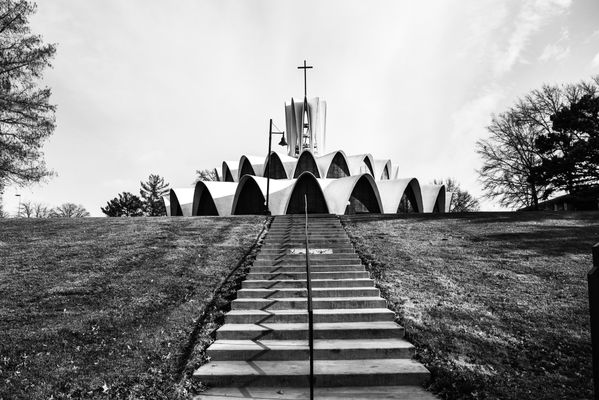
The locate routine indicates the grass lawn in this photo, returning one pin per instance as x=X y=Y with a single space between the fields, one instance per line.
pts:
x=108 y=307
x=496 y=304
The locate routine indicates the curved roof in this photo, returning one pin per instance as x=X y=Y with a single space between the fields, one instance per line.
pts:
x=167 y=204
x=333 y=165
x=360 y=164
x=230 y=173
x=353 y=191
x=306 y=187
x=250 y=195
x=433 y=198
x=382 y=169
x=181 y=201
x=252 y=165
x=306 y=162
x=213 y=198
x=392 y=191
x=282 y=166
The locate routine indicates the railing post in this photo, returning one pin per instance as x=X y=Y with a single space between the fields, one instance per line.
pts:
x=593 y=280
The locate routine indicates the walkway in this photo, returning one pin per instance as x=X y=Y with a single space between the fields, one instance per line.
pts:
x=261 y=351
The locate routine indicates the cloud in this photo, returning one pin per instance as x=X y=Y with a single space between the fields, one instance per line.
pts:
x=595 y=62
x=532 y=15
x=556 y=51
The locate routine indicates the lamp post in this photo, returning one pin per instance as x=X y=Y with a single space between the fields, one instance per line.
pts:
x=19 y=209
x=281 y=143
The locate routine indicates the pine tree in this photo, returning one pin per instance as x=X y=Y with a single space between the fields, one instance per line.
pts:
x=126 y=205
x=151 y=192
x=26 y=116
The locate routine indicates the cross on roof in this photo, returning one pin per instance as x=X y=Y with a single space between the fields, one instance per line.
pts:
x=305 y=67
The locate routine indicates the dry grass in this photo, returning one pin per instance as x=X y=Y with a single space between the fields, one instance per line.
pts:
x=107 y=308
x=496 y=303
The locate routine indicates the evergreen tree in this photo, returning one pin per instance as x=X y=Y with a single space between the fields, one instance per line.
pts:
x=570 y=152
x=26 y=116
x=151 y=192
x=126 y=205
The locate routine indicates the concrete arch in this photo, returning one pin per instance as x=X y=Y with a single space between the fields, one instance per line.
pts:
x=333 y=165
x=249 y=197
x=245 y=167
x=229 y=174
x=307 y=185
x=448 y=200
x=353 y=194
x=393 y=191
x=167 y=204
x=433 y=198
x=213 y=198
x=278 y=169
x=250 y=165
x=181 y=200
x=360 y=164
x=382 y=170
x=306 y=163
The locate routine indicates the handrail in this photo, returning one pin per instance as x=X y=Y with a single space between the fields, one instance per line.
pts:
x=593 y=282
x=310 y=315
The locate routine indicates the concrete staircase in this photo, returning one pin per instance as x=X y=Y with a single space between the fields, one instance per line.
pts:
x=262 y=349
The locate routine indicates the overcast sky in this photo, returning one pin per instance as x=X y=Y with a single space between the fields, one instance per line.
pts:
x=171 y=87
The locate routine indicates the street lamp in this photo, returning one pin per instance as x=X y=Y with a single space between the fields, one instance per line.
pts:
x=281 y=143
x=19 y=209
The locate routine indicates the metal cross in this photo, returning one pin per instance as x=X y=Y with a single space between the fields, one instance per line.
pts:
x=305 y=67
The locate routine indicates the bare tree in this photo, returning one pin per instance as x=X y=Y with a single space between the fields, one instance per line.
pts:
x=510 y=155
x=27 y=209
x=41 y=211
x=69 y=210
x=461 y=201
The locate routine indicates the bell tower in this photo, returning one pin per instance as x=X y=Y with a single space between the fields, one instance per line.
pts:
x=306 y=122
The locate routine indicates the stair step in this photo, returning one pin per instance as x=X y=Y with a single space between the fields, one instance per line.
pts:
x=301 y=292
x=326 y=373
x=313 y=275
x=332 y=349
x=294 y=283
x=322 y=330
x=302 y=268
x=301 y=316
x=300 y=303
x=302 y=257
x=320 y=393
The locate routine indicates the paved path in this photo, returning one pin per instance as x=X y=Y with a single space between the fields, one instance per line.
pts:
x=261 y=351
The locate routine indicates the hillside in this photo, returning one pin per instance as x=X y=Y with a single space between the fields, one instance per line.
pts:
x=495 y=302
x=107 y=307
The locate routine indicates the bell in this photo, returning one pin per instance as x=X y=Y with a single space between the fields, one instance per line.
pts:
x=283 y=142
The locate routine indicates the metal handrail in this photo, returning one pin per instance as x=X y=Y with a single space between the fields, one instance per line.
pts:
x=310 y=315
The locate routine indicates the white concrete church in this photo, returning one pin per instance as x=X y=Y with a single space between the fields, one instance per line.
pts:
x=332 y=183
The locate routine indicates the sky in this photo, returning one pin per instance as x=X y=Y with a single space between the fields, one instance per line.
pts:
x=153 y=87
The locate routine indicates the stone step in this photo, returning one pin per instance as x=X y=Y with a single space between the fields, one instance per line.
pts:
x=302 y=292
x=322 y=330
x=301 y=316
x=278 y=252
x=332 y=349
x=299 y=303
x=293 y=283
x=302 y=236
x=302 y=268
x=340 y=261
x=280 y=248
x=321 y=393
x=334 y=256
x=302 y=275
x=327 y=373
